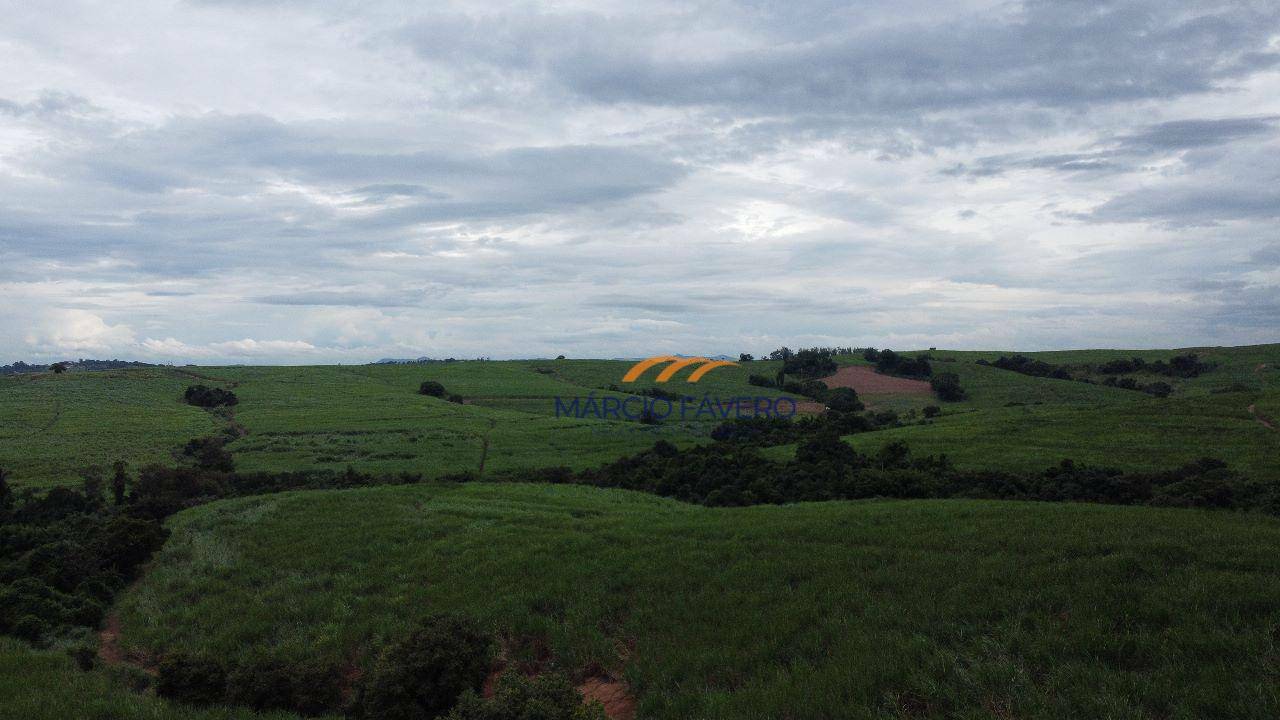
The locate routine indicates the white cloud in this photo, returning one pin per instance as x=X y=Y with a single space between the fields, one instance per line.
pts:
x=78 y=331
x=462 y=179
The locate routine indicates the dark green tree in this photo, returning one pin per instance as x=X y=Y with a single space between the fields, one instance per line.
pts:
x=119 y=482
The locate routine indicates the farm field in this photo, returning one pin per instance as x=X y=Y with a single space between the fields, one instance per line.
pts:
x=840 y=609
x=370 y=417
x=869 y=608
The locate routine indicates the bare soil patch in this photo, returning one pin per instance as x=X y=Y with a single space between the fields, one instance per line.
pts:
x=810 y=407
x=1253 y=408
x=1266 y=421
x=110 y=652
x=613 y=694
x=866 y=381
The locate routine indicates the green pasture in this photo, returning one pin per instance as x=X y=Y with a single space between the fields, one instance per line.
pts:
x=842 y=609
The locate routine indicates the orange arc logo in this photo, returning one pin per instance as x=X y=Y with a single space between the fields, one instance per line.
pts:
x=677 y=364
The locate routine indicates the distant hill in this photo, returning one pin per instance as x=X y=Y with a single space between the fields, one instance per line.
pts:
x=81 y=365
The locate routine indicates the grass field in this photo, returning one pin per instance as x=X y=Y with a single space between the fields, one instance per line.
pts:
x=370 y=416
x=44 y=685
x=873 y=609
x=840 y=609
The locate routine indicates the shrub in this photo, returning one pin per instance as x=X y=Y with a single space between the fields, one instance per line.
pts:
x=191 y=679
x=422 y=674
x=126 y=543
x=546 y=697
x=455 y=398
x=844 y=400
x=808 y=363
x=947 y=387
x=209 y=454
x=207 y=397
x=891 y=363
x=432 y=388
x=932 y=411
x=308 y=687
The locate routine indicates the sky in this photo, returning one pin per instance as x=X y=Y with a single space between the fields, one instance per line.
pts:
x=258 y=181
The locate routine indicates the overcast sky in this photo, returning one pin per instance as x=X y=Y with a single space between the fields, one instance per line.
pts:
x=257 y=181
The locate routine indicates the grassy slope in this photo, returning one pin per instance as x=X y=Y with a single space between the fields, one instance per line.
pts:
x=51 y=426
x=371 y=417
x=1022 y=423
x=40 y=685
x=873 y=609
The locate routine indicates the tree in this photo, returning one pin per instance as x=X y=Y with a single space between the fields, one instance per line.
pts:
x=559 y=357
x=119 y=482
x=6 y=493
x=93 y=483
x=421 y=675
x=745 y=357
x=432 y=388
x=58 y=368
x=947 y=387
x=844 y=400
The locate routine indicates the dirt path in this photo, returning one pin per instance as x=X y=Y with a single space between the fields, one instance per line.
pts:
x=1253 y=407
x=110 y=652
x=1266 y=421
x=613 y=694
x=484 y=448
x=57 y=415
x=867 y=381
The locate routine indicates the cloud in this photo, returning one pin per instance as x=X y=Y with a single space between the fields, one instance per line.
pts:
x=245 y=348
x=828 y=59
x=78 y=331
x=463 y=179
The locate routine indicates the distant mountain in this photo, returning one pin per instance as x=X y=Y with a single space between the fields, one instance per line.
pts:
x=81 y=365
x=403 y=361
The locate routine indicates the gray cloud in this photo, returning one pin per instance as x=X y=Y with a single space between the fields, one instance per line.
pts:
x=719 y=177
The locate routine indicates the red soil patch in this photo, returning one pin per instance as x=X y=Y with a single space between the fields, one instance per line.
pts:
x=110 y=652
x=810 y=407
x=613 y=694
x=1266 y=421
x=1253 y=409
x=866 y=381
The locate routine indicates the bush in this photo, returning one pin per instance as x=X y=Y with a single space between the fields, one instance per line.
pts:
x=891 y=363
x=191 y=679
x=844 y=400
x=307 y=687
x=209 y=453
x=932 y=411
x=808 y=363
x=207 y=397
x=423 y=674
x=947 y=387
x=432 y=388
x=546 y=697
